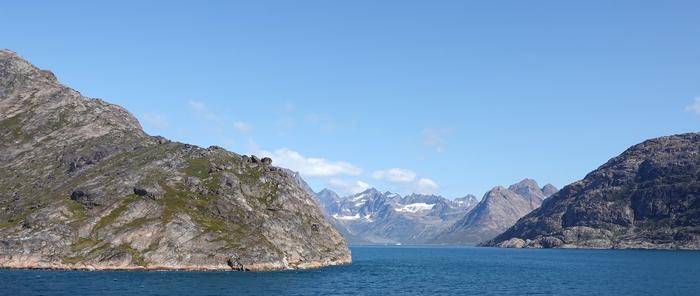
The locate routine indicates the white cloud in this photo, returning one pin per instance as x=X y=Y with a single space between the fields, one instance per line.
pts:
x=156 y=120
x=309 y=166
x=347 y=187
x=407 y=180
x=242 y=127
x=436 y=138
x=694 y=107
x=198 y=107
x=426 y=186
x=396 y=175
x=202 y=111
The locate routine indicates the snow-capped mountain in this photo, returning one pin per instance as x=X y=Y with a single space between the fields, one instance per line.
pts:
x=385 y=217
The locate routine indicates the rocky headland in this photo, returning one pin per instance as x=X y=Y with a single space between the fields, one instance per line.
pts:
x=83 y=187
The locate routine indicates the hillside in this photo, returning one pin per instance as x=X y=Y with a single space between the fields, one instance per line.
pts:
x=82 y=186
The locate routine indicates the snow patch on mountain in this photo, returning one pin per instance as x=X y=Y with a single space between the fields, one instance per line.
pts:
x=415 y=207
x=346 y=218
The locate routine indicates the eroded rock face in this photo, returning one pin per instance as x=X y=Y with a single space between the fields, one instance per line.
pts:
x=82 y=186
x=647 y=198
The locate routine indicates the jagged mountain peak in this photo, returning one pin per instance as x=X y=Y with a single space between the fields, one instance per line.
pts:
x=549 y=190
x=499 y=209
x=326 y=191
x=373 y=191
x=525 y=185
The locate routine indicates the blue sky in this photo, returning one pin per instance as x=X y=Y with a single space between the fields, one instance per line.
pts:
x=448 y=97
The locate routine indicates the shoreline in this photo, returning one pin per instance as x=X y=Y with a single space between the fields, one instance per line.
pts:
x=256 y=267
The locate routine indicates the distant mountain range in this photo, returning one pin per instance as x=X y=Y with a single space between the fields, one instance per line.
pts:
x=384 y=217
x=377 y=217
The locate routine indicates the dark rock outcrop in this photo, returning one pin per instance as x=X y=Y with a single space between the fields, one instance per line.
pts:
x=82 y=186
x=647 y=198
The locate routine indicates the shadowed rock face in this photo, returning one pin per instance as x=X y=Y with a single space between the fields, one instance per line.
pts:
x=648 y=197
x=499 y=209
x=82 y=186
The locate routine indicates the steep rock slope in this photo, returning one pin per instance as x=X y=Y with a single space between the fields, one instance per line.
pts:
x=82 y=186
x=648 y=197
x=499 y=209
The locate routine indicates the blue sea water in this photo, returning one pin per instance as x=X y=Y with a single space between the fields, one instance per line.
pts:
x=404 y=270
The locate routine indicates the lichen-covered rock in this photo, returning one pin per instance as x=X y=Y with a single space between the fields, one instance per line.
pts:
x=646 y=198
x=82 y=186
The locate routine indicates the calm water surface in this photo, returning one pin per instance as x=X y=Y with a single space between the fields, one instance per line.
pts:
x=405 y=270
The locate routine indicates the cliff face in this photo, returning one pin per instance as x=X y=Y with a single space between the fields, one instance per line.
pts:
x=648 y=197
x=82 y=186
x=499 y=209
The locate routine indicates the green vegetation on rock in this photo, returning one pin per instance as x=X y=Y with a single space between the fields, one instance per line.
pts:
x=114 y=214
x=135 y=254
x=198 y=167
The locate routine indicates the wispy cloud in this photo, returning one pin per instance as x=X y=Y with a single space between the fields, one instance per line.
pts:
x=407 y=180
x=242 y=127
x=311 y=166
x=435 y=138
x=347 y=187
x=395 y=175
x=340 y=176
x=201 y=110
x=155 y=120
x=322 y=121
x=694 y=107
x=426 y=186
x=285 y=119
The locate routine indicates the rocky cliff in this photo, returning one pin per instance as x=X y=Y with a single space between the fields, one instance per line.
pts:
x=499 y=209
x=82 y=186
x=648 y=198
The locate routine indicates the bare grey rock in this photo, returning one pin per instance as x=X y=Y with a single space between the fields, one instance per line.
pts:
x=514 y=243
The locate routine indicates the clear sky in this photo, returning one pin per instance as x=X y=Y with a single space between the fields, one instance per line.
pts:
x=450 y=97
